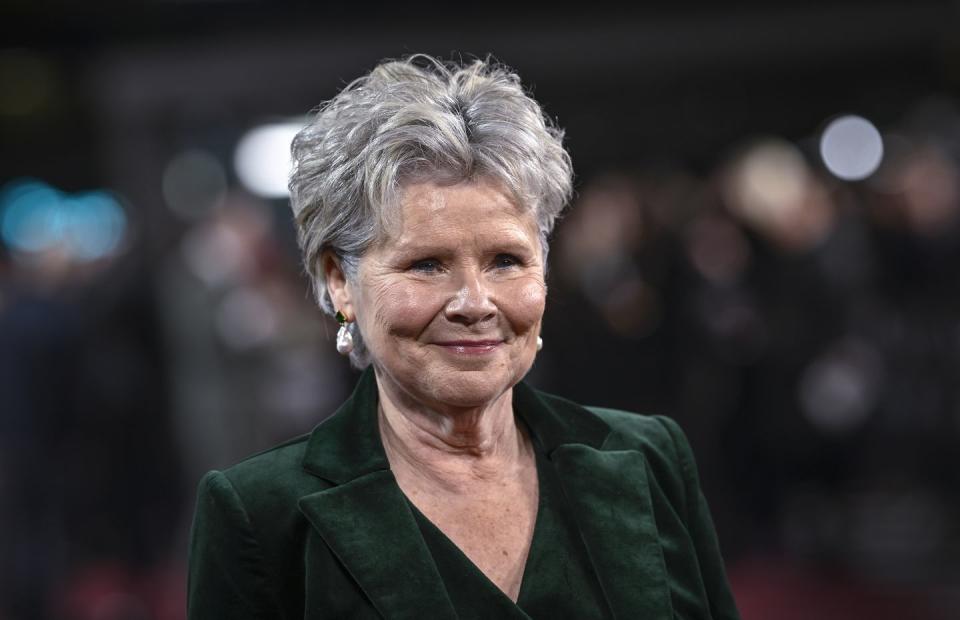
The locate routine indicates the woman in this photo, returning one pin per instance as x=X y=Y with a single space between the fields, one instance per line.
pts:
x=445 y=487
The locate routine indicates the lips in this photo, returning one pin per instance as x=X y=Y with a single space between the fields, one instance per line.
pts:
x=470 y=346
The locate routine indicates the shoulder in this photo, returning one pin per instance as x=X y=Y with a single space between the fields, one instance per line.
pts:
x=657 y=436
x=264 y=486
x=245 y=531
x=265 y=468
x=627 y=426
x=630 y=430
x=660 y=439
x=668 y=462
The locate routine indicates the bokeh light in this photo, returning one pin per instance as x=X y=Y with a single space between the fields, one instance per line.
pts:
x=194 y=183
x=96 y=224
x=246 y=319
x=838 y=390
x=32 y=219
x=262 y=158
x=770 y=183
x=38 y=218
x=851 y=148
x=772 y=189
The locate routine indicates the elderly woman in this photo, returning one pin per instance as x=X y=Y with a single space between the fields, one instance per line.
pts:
x=445 y=487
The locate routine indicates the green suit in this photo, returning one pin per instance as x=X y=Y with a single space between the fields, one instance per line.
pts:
x=318 y=528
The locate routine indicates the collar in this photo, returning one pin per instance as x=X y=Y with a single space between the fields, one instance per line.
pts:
x=347 y=445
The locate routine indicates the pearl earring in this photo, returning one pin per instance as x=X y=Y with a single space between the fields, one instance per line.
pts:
x=539 y=343
x=344 y=337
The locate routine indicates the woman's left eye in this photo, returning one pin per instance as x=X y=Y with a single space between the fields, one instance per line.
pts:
x=504 y=261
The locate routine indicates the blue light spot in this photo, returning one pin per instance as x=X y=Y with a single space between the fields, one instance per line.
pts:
x=35 y=217
x=97 y=224
x=32 y=218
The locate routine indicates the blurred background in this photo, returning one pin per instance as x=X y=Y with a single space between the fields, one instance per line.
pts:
x=764 y=245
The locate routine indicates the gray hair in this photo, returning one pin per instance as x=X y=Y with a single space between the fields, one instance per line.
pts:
x=410 y=120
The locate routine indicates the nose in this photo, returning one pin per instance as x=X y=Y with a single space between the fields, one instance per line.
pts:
x=471 y=303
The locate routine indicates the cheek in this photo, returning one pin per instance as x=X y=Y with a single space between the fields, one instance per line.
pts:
x=524 y=304
x=403 y=309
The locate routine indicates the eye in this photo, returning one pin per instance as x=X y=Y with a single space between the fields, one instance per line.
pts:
x=505 y=261
x=426 y=265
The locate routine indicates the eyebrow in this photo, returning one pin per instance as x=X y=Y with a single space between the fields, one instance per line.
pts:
x=511 y=242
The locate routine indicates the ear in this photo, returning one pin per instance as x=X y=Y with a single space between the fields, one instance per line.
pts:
x=337 y=285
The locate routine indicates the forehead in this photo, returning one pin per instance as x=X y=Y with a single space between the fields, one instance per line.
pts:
x=474 y=208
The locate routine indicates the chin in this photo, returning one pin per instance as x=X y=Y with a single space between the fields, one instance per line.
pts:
x=471 y=388
x=438 y=381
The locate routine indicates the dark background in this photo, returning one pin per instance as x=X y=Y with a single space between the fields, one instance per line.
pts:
x=815 y=367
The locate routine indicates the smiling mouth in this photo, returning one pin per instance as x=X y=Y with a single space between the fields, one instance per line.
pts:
x=470 y=347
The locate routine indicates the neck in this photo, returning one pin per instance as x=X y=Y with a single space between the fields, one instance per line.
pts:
x=452 y=446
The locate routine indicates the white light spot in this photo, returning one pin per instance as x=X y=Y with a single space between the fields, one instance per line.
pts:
x=839 y=389
x=851 y=148
x=262 y=159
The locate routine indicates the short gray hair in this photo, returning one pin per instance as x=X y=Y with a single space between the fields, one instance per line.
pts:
x=418 y=119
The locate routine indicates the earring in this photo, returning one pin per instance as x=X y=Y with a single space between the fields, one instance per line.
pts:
x=539 y=343
x=344 y=337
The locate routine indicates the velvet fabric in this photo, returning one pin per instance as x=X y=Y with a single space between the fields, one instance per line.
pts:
x=559 y=581
x=318 y=528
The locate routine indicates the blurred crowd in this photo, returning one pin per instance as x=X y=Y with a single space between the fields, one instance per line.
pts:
x=804 y=330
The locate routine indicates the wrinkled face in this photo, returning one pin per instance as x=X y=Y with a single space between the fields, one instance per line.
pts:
x=450 y=303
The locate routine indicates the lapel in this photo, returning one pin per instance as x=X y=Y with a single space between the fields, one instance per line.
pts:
x=366 y=521
x=609 y=494
x=364 y=518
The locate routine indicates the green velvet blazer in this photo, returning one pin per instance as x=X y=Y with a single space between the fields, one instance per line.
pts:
x=318 y=528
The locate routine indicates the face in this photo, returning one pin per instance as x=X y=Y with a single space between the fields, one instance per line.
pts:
x=450 y=303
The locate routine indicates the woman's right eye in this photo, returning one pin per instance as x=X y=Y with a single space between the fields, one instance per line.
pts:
x=427 y=265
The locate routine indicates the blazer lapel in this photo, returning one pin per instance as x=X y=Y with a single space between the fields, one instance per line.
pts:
x=609 y=494
x=364 y=518
x=367 y=523
x=370 y=528
x=610 y=498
